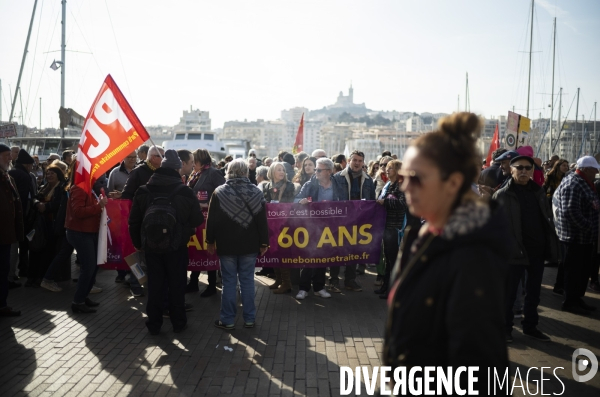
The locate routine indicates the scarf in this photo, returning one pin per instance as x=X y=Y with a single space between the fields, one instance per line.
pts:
x=47 y=191
x=590 y=184
x=150 y=166
x=384 y=176
x=240 y=200
x=279 y=188
x=195 y=176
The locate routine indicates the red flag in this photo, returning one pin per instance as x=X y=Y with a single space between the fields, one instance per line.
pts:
x=111 y=131
x=299 y=144
x=495 y=145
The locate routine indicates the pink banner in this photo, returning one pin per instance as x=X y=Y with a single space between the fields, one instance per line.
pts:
x=314 y=235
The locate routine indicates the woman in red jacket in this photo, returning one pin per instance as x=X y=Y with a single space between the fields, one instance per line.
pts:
x=82 y=224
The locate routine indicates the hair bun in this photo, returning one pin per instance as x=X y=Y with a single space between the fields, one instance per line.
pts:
x=463 y=126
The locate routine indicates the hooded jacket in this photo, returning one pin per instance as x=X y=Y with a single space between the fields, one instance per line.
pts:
x=367 y=187
x=163 y=182
x=446 y=304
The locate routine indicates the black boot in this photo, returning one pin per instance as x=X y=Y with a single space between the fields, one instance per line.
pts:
x=382 y=290
x=192 y=286
x=81 y=308
x=209 y=291
x=91 y=303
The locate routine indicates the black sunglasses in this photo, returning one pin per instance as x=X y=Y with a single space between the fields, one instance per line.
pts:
x=383 y=165
x=323 y=169
x=412 y=177
x=523 y=167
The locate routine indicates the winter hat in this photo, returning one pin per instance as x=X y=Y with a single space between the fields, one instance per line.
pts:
x=4 y=148
x=525 y=151
x=24 y=157
x=171 y=160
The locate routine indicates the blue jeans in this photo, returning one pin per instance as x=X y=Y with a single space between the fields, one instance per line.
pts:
x=232 y=267
x=86 y=245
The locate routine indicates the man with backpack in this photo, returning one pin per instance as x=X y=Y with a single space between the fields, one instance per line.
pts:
x=165 y=213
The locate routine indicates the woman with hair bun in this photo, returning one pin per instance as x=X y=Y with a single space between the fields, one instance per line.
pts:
x=446 y=297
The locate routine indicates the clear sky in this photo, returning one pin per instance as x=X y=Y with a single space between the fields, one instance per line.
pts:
x=251 y=59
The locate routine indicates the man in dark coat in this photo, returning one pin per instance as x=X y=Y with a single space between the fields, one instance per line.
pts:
x=531 y=224
x=142 y=173
x=172 y=265
x=137 y=178
x=26 y=184
x=12 y=227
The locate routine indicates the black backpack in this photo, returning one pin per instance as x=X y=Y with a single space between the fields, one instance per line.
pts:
x=161 y=232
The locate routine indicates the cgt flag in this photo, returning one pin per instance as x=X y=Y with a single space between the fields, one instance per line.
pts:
x=495 y=145
x=111 y=131
x=299 y=144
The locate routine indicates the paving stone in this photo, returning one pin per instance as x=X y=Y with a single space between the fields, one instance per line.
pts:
x=295 y=349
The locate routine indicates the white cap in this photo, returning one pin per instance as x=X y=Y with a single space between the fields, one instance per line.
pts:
x=588 y=162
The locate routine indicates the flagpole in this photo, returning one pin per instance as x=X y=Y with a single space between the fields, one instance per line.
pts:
x=154 y=144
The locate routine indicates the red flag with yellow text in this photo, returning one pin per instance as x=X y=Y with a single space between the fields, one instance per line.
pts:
x=299 y=144
x=494 y=145
x=111 y=131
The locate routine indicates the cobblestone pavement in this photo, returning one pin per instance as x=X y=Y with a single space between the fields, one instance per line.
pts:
x=295 y=349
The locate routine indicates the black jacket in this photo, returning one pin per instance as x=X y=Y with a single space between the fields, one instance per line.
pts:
x=139 y=176
x=230 y=237
x=164 y=181
x=25 y=185
x=508 y=198
x=447 y=302
x=208 y=181
x=11 y=212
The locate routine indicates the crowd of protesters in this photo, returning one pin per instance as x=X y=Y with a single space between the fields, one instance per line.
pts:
x=477 y=238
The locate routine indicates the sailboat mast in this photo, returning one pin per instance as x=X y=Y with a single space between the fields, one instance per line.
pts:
x=530 y=52
x=552 y=97
x=467 y=104
x=576 y=119
x=559 y=125
x=595 y=136
x=62 y=57
x=12 y=109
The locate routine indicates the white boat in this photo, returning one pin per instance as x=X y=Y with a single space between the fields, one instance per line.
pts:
x=43 y=146
x=197 y=140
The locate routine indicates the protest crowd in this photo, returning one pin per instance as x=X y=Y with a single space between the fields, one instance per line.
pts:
x=463 y=250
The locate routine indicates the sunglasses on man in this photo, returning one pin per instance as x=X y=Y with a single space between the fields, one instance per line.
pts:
x=523 y=167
